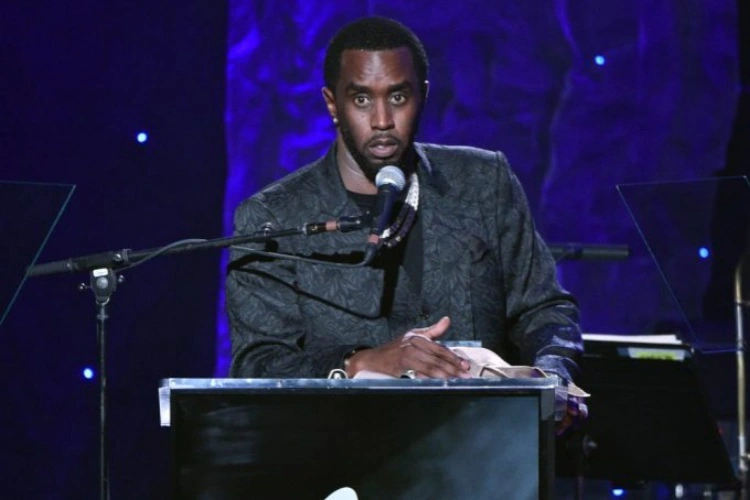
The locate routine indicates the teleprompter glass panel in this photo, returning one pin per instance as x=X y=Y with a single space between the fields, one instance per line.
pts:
x=28 y=215
x=696 y=231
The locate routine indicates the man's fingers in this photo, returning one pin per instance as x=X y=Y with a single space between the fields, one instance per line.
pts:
x=576 y=414
x=426 y=362
x=426 y=337
x=441 y=352
x=578 y=407
x=434 y=331
x=428 y=359
x=445 y=370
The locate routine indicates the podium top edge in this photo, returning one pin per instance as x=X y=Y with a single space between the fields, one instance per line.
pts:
x=189 y=384
x=543 y=387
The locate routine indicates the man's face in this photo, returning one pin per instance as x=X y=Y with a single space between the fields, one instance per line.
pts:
x=377 y=102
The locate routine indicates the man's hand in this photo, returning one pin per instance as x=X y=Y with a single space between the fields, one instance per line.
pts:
x=415 y=350
x=576 y=413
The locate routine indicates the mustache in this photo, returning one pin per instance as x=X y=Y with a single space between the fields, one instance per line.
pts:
x=383 y=138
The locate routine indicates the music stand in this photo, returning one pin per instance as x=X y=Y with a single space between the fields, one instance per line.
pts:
x=649 y=417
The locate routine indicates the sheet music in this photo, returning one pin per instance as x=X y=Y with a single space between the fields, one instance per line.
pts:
x=666 y=338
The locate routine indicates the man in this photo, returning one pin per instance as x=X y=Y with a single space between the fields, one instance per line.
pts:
x=462 y=260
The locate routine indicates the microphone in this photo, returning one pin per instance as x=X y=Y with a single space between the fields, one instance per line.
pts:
x=390 y=181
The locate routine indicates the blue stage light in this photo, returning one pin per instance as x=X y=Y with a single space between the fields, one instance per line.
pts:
x=600 y=60
x=618 y=492
x=703 y=253
x=88 y=373
x=142 y=137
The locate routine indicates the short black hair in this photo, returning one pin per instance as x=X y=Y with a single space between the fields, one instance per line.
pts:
x=373 y=33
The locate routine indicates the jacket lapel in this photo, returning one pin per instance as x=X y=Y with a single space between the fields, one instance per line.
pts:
x=447 y=259
x=447 y=223
x=354 y=289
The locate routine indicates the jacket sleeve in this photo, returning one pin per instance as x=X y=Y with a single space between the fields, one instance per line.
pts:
x=542 y=318
x=267 y=329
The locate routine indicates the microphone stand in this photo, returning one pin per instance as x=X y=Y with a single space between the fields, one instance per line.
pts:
x=583 y=446
x=103 y=281
x=742 y=456
x=578 y=251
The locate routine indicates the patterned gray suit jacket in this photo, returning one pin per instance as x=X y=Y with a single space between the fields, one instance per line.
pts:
x=484 y=266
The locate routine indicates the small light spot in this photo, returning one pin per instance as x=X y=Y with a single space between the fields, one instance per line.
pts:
x=600 y=60
x=618 y=492
x=142 y=137
x=88 y=373
x=703 y=253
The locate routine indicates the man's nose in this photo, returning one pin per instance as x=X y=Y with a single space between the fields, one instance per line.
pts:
x=382 y=118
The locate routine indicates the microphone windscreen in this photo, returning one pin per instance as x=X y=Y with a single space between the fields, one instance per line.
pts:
x=390 y=175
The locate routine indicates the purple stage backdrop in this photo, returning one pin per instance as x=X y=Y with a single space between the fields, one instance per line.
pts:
x=580 y=95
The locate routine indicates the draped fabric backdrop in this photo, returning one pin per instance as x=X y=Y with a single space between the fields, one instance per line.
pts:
x=524 y=78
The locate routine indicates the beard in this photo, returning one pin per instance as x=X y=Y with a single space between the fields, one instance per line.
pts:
x=370 y=169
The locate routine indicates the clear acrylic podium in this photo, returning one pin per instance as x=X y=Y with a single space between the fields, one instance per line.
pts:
x=306 y=438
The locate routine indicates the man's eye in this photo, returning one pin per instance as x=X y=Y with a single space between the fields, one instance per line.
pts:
x=361 y=100
x=398 y=98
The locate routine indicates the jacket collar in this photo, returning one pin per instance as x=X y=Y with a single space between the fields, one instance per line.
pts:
x=337 y=203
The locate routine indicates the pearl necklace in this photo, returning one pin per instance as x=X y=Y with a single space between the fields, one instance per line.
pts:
x=393 y=235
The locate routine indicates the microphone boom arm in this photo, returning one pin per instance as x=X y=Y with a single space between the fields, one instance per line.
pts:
x=126 y=258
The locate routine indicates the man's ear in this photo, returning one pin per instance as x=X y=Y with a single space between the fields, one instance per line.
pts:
x=330 y=102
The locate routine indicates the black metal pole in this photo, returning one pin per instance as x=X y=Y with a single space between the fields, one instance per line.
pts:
x=579 y=251
x=103 y=283
x=740 y=302
x=101 y=329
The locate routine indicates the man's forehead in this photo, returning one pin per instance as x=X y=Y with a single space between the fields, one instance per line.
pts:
x=358 y=65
